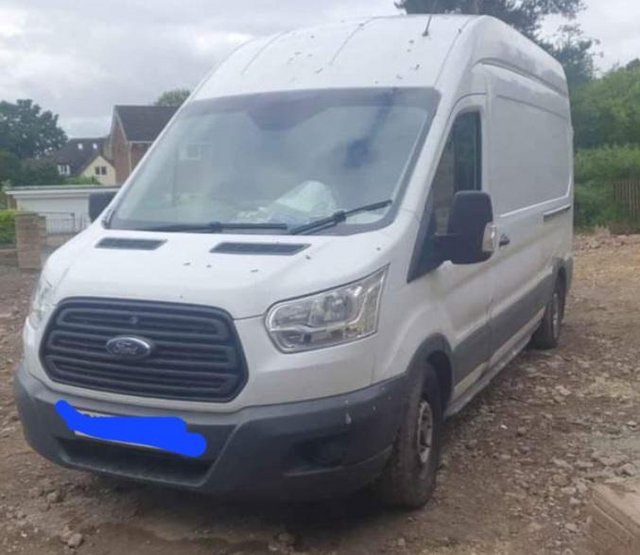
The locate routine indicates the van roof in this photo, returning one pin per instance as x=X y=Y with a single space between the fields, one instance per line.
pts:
x=381 y=51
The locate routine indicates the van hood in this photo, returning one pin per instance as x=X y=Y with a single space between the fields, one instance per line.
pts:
x=183 y=268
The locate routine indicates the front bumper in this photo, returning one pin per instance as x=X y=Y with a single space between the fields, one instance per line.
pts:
x=302 y=450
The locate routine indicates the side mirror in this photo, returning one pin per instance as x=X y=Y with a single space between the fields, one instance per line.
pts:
x=97 y=203
x=471 y=235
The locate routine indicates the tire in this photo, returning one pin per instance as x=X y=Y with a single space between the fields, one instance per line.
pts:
x=547 y=336
x=409 y=478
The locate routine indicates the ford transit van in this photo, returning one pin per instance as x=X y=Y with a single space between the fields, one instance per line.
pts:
x=341 y=238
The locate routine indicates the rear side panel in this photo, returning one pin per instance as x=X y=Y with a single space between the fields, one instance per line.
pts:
x=530 y=166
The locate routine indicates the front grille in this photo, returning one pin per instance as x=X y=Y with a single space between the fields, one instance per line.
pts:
x=196 y=353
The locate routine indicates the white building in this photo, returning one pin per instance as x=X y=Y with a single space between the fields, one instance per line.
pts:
x=66 y=208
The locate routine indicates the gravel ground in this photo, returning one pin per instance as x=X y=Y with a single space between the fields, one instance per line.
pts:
x=517 y=470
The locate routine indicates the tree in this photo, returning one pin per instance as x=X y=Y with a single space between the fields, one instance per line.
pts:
x=9 y=167
x=606 y=111
x=36 y=172
x=15 y=172
x=575 y=52
x=571 y=48
x=174 y=97
x=524 y=15
x=27 y=131
x=633 y=64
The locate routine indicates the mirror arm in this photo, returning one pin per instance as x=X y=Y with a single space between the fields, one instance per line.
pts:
x=107 y=219
x=98 y=202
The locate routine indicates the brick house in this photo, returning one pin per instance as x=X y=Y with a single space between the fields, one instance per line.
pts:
x=133 y=130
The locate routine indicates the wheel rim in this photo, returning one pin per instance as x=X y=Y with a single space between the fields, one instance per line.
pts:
x=556 y=312
x=424 y=435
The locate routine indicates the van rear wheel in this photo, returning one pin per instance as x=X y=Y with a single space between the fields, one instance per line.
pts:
x=409 y=479
x=547 y=336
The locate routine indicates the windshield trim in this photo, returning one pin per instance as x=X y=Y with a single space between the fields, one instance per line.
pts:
x=430 y=100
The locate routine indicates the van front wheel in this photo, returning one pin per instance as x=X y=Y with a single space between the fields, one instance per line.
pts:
x=547 y=336
x=409 y=479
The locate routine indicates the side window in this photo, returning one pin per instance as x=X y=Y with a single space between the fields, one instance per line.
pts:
x=460 y=168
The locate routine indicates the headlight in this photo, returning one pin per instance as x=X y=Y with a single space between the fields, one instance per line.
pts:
x=330 y=318
x=40 y=302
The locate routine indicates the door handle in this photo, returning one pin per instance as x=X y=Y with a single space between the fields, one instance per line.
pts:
x=505 y=240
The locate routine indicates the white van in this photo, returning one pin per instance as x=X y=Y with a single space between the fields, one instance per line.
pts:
x=339 y=240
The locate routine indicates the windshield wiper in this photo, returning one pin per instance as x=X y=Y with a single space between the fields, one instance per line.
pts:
x=338 y=217
x=216 y=227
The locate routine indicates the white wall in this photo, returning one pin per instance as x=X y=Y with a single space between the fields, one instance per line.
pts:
x=65 y=208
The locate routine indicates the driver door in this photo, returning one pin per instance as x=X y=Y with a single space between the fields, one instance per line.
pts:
x=464 y=291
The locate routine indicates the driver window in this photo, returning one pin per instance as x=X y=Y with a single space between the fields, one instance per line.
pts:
x=460 y=168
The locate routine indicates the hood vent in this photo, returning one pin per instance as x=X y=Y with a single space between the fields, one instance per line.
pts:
x=116 y=243
x=277 y=249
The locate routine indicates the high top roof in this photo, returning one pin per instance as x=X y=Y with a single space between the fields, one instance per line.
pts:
x=383 y=51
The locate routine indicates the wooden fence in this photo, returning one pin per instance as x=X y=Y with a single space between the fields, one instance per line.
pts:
x=627 y=195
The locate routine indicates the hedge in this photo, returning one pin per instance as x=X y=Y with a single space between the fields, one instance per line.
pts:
x=607 y=164
x=7 y=227
x=595 y=172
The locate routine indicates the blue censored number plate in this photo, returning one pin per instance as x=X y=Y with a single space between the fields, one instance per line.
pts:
x=164 y=433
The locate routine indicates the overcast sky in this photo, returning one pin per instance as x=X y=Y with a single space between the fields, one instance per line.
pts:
x=79 y=58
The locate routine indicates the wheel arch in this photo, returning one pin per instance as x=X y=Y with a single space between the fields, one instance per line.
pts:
x=436 y=352
x=563 y=271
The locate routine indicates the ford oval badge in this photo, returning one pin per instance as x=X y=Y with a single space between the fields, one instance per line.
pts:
x=133 y=348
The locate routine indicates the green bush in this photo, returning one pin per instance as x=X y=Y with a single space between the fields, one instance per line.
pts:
x=607 y=164
x=594 y=205
x=7 y=227
x=595 y=172
x=605 y=110
x=81 y=180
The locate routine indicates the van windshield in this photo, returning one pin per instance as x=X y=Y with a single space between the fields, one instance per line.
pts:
x=278 y=161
